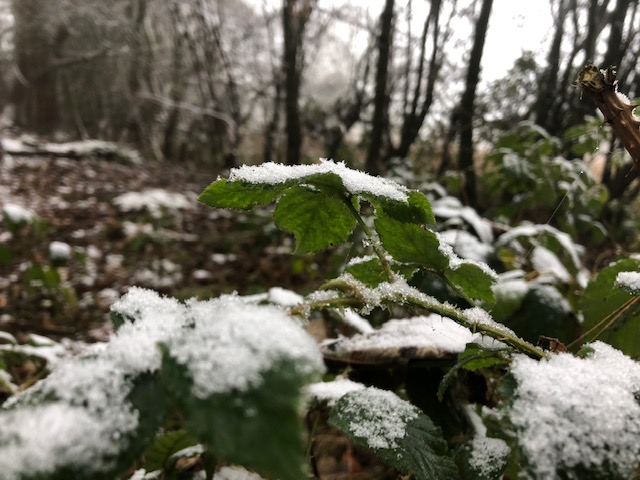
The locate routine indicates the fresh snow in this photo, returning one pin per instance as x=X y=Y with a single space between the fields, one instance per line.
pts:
x=155 y=201
x=380 y=416
x=546 y=262
x=433 y=333
x=17 y=213
x=355 y=182
x=355 y=321
x=467 y=245
x=224 y=343
x=630 y=281
x=59 y=251
x=235 y=473
x=233 y=343
x=451 y=208
x=571 y=411
x=333 y=391
x=487 y=453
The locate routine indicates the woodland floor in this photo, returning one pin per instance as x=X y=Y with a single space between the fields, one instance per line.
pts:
x=197 y=251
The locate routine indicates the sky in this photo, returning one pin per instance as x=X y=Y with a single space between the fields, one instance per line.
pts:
x=514 y=26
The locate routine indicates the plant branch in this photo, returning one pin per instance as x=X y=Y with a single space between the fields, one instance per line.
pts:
x=355 y=294
x=602 y=86
x=375 y=244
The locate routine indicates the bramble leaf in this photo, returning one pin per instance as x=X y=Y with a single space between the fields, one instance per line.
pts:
x=476 y=282
x=410 y=243
x=237 y=424
x=416 y=210
x=158 y=454
x=318 y=221
x=240 y=195
x=396 y=431
x=604 y=302
x=371 y=273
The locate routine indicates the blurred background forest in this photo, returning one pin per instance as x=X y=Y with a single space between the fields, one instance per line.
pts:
x=411 y=89
x=226 y=82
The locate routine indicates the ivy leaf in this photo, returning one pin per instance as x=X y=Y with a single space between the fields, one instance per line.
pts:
x=318 y=221
x=396 y=431
x=240 y=195
x=600 y=302
x=371 y=273
x=475 y=281
x=410 y=243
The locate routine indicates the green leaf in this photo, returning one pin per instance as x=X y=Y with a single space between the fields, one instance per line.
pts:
x=416 y=210
x=317 y=220
x=259 y=428
x=372 y=274
x=473 y=358
x=328 y=183
x=158 y=454
x=240 y=195
x=475 y=281
x=410 y=243
x=396 y=431
x=600 y=302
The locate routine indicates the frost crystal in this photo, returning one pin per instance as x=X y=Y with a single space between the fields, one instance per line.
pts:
x=486 y=453
x=333 y=391
x=578 y=413
x=355 y=182
x=380 y=416
x=629 y=281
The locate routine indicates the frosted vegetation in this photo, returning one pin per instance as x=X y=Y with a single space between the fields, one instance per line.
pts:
x=478 y=397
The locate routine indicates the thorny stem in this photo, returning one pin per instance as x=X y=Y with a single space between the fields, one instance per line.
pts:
x=355 y=299
x=375 y=244
x=602 y=87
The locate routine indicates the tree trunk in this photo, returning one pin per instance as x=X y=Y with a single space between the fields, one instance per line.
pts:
x=381 y=98
x=467 y=104
x=34 y=92
x=548 y=90
x=295 y=14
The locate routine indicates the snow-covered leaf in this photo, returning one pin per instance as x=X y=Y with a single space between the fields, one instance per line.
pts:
x=578 y=417
x=396 y=431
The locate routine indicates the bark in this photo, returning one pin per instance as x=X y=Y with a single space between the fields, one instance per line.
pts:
x=423 y=92
x=34 y=92
x=295 y=14
x=381 y=97
x=467 y=104
x=548 y=90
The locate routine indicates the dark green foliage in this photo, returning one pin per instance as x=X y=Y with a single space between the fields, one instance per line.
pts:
x=421 y=451
x=612 y=314
x=258 y=428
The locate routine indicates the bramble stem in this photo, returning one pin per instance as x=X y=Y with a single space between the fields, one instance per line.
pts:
x=375 y=244
x=602 y=87
x=354 y=298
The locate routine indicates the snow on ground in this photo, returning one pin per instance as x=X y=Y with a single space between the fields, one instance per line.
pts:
x=571 y=411
x=155 y=200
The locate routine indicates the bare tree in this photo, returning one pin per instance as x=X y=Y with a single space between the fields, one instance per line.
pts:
x=295 y=14
x=467 y=104
x=34 y=91
x=381 y=98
